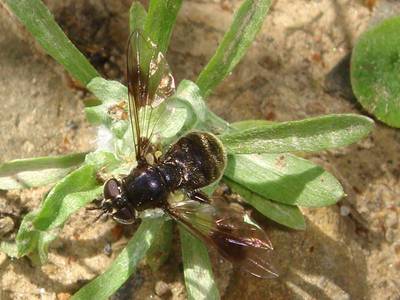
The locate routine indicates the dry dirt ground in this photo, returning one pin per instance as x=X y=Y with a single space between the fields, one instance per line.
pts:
x=340 y=255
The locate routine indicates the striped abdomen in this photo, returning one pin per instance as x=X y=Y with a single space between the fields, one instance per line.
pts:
x=197 y=159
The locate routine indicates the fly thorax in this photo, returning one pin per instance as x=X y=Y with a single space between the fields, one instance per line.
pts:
x=145 y=188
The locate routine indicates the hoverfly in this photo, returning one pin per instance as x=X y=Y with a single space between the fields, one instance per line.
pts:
x=195 y=161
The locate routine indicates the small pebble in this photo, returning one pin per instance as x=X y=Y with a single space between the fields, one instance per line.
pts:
x=107 y=67
x=42 y=291
x=35 y=93
x=3 y=257
x=72 y=125
x=397 y=248
x=6 y=225
x=391 y=219
x=80 y=94
x=63 y=296
x=390 y=235
x=107 y=249
x=161 y=288
x=344 y=210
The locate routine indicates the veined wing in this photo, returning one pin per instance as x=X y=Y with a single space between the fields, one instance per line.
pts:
x=222 y=227
x=150 y=82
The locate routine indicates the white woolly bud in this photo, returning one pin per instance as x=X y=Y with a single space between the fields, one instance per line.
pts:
x=104 y=139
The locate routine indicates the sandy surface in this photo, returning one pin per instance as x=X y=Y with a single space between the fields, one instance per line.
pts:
x=339 y=256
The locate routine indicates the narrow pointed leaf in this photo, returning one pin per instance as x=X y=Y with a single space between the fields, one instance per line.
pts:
x=312 y=134
x=108 y=91
x=34 y=172
x=249 y=124
x=68 y=195
x=284 y=178
x=160 y=21
x=39 y=21
x=284 y=214
x=137 y=17
x=161 y=247
x=215 y=124
x=199 y=280
x=37 y=228
x=246 y=24
x=124 y=265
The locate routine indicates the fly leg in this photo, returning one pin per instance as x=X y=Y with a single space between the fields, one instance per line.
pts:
x=198 y=196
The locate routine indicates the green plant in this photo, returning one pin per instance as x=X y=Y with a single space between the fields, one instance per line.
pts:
x=375 y=71
x=260 y=169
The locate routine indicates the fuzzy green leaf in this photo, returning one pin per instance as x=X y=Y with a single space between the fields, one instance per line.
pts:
x=313 y=134
x=161 y=247
x=215 y=124
x=186 y=105
x=102 y=160
x=284 y=178
x=39 y=21
x=190 y=92
x=375 y=71
x=246 y=24
x=137 y=17
x=108 y=91
x=199 y=280
x=68 y=195
x=34 y=172
x=124 y=265
x=284 y=214
x=160 y=21
x=249 y=124
x=188 y=100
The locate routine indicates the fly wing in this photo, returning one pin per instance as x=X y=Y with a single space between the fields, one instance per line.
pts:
x=222 y=227
x=150 y=82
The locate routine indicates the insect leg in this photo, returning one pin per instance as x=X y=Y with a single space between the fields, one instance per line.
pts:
x=198 y=196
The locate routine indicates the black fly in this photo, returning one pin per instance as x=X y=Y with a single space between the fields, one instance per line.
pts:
x=196 y=160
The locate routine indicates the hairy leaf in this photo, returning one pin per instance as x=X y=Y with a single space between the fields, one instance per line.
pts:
x=161 y=247
x=124 y=265
x=68 y=195
x=284 y=178
x=160 y=21
x=199 y=280
x=39 y=21
x=246 y=24
x=375 y=71
x=313 y=134
x=284 y=214
x=137 y=17
x=39 y=171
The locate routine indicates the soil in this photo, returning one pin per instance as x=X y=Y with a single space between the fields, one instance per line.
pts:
x=348 y=251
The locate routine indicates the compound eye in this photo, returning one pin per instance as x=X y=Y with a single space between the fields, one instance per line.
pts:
x=111 y=189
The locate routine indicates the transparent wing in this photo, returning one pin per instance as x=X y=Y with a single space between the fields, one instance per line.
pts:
x=150 y=82
x=243 y=244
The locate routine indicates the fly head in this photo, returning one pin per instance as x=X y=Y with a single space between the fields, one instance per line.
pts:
x=115 y=203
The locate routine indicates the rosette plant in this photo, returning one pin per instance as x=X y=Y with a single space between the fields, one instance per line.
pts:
x=260 y=167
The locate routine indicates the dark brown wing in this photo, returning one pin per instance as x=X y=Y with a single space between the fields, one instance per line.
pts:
x=243 y=244
x=149 y=84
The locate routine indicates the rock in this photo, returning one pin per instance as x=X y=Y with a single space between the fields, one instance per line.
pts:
x=162 y=288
